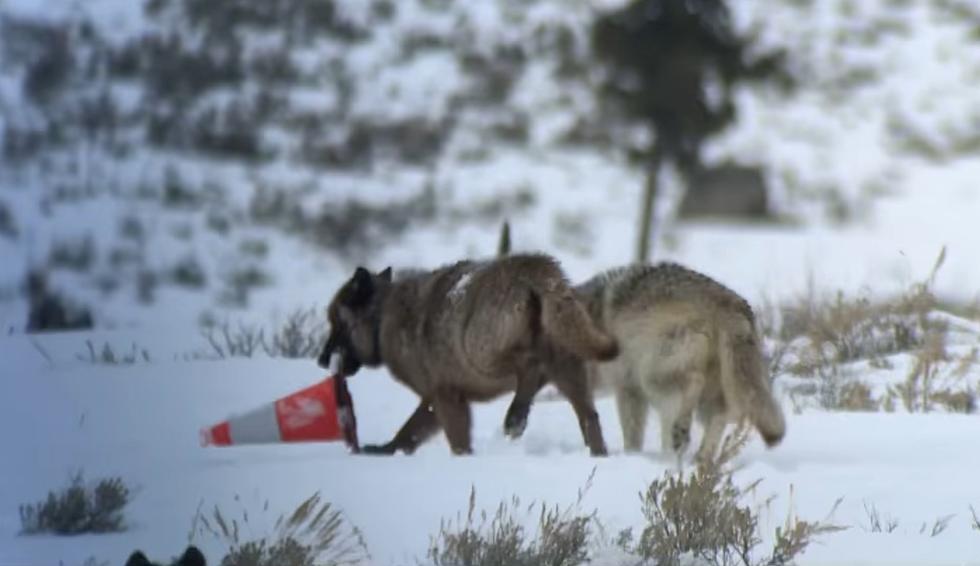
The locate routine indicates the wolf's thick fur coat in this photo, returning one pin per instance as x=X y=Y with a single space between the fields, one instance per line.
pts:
x=688 y=345
x=471 y=331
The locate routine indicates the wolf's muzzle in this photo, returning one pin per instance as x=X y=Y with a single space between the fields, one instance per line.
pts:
x=338 y=358
x=326 y=354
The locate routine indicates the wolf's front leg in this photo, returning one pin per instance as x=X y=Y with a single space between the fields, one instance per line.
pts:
x=417 y=429
x=573 y=384
x=633 y=407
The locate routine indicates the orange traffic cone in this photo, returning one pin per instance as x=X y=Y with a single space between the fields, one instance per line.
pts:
x=321 y=412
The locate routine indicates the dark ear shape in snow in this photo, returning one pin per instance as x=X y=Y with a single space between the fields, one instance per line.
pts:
x=191 y=557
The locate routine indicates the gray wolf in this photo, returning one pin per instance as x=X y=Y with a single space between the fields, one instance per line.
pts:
x=470 y=331
x=688 y=345
x=191 y=557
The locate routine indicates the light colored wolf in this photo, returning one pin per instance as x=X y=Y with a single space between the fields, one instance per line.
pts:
x=469 y=332
x=688 y=344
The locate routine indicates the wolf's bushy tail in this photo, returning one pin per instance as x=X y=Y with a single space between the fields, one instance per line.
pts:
x=745 y=385
x=565 y=319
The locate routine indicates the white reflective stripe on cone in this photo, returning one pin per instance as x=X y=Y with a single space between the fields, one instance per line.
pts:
x=256 y=426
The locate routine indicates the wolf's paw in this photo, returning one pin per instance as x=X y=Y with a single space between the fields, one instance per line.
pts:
x=680 y=436
x=514 y=427
x=516 y=420
x=378 y=449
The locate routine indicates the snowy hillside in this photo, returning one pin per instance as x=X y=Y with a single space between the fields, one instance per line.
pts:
x=189 y=167
x=278 y=156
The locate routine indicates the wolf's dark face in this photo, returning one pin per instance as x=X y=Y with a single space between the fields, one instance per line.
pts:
x=191 y=557
x=354 y=315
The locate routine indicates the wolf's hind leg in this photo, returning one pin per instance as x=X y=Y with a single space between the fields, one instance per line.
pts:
x=529 y=382
x=633 y=406
x=680 y=432
x=572 y=382
x=452 y=410
x=417 y=429
x=715 y=422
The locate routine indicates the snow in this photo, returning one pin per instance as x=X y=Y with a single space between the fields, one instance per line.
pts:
x=59 y=414
x=142 y=421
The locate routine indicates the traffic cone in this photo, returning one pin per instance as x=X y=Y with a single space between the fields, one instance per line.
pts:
x=321 y=412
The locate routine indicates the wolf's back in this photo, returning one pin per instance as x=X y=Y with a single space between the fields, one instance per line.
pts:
x=641 y=285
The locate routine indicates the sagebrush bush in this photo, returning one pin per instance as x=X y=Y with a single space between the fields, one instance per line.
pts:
x=300 y=335
x=845 y=329
x=241 y=281
x=74 y=254
x=79 y=509
x=563 y=537
x=821 y=339
x=936 y=379
x=700 y=515
x=188 y=272
x=314 y=534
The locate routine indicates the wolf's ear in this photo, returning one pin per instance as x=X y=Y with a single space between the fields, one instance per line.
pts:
x=192 y=557
x=360 y=287
x=386 y=274
x=137 y=558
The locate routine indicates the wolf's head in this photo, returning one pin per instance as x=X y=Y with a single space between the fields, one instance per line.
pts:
x=354 y=315
x=191 y=557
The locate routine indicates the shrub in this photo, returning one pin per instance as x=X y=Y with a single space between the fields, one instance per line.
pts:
x=562 y=537
x=76 y=255
x=227 y=342
x=932 y=383
x=108 y=356
x=314 y=534
x=78 y=509
x=822 y=340
x=848 y=329
x=300 y=336
x=49 y=310
x=240 y=282
x=188 y=272
x=700 y=516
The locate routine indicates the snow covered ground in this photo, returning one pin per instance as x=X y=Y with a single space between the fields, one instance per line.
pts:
x=59 y=415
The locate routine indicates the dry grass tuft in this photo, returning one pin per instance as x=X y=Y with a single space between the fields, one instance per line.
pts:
x=878 y=523
x=78 y=509
x=562 y=537
x=700 y=516
x=937 y=527
x=300 y=335
x=314 y=534
x=110 y=357
x=821 y=340
x=935 y=380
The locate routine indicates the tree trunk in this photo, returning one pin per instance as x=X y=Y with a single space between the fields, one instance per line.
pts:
x=643 y=243
x=503 y=245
